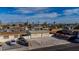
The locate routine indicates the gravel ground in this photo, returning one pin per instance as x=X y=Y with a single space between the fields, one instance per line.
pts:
x=44 y=42
x=64 y=47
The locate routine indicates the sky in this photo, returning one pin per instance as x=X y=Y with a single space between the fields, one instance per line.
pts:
x=41 y=14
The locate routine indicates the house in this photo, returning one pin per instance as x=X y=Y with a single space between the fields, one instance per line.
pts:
x=40 y=28
x=12 y=33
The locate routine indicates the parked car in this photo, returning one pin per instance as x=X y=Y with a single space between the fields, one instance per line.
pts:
x=22 y=41
x=74 y=39
x=11 y=43
x=66 y=34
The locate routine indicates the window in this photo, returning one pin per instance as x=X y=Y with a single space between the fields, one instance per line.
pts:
x=6 y=37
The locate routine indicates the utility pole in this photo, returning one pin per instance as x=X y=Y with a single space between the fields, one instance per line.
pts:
x=54 y=22
x=38 y=24
x=0 y=22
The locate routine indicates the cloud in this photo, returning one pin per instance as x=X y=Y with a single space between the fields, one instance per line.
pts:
x=23 y=18
x=71 y=11
x=30 y=9
x=5 y=18
x=21 y=15
x=68 y=19
x=45 y=15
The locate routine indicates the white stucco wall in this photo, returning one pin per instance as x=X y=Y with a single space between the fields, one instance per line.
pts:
x=2 y=39
x=38 y=35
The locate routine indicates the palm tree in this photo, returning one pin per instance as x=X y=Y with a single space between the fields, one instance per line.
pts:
x=30 y=26
x=45 y=24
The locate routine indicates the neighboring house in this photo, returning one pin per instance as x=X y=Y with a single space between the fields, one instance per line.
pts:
x=39 y=28
x=12 y=33
x=6 y=36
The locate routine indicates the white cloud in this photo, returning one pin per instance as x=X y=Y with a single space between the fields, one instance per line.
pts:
x=12 y=18
x=46 y=15
x=68 y=19
x=71 y=11
x=22 y=18
x=30 y=9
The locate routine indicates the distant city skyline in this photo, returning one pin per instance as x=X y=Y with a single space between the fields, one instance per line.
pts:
x=41 y=14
